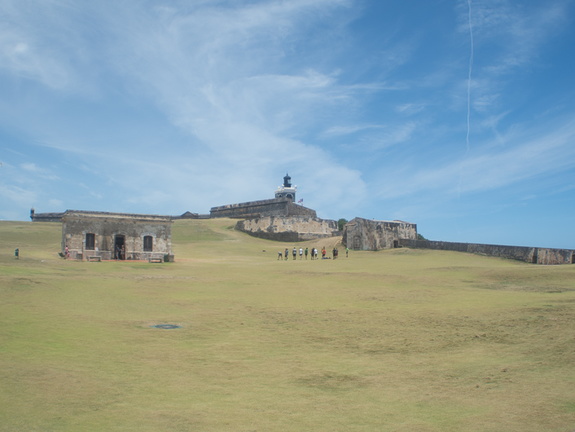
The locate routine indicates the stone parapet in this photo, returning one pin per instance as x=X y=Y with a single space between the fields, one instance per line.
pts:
x=534 y=255
x=46 y=217
x=254 y=209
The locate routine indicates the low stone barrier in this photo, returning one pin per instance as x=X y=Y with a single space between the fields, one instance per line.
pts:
x=534 y=255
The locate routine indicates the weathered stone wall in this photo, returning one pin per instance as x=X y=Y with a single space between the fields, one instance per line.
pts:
x=555 y=256
x=106 y=226
x=289 y=229
x=46 y=217
x=533 y=255
x=365 y=234
x=299 y=210
x=190 y=215
x=254 y=209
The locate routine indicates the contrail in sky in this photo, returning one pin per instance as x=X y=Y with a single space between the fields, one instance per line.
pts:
x=470 y=70
x=469 y=73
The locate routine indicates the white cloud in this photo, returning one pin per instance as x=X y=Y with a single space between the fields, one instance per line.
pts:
x=410 y=108
x=17 y=195
x=40 y=42
x=41 y=173
x=522 y=158
x=223 y=73
x=507 y=39
x=350 y=129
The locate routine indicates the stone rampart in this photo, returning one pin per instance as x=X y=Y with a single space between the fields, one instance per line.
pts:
x=46 y=217
x=288 y=228
x=532 y=255
x=255 y=209
x=365 y=234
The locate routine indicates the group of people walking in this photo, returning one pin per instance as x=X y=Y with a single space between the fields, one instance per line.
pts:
x=313 y=252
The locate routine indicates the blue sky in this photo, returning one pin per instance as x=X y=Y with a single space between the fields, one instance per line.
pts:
x=458 y=116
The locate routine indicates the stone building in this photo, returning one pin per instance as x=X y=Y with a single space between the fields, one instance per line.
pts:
x=98 y=236
x=365 y=234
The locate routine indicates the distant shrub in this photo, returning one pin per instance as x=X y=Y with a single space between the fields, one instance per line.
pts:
x=341 y=223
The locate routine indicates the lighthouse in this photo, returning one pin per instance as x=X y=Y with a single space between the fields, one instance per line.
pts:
x=287 y=190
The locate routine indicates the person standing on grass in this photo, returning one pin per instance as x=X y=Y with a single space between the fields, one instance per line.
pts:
x=305 y=252
x=280 y=255
x=300 y=253
x=323 y=252
x=294 y=252
x=286 y=252
x=17 y=253
x=347 y=252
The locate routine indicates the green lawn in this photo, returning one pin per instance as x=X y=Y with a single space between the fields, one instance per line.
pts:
x=396 y=340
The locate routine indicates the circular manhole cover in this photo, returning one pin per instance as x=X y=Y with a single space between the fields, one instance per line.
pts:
x=166 y=326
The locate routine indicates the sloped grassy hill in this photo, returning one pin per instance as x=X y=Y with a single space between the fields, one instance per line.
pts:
x=398 y=340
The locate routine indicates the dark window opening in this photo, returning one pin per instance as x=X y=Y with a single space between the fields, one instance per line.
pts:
x=148 y=243
x=90 y=241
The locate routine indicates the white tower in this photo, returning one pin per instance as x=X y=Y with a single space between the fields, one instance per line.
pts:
x=287 y=190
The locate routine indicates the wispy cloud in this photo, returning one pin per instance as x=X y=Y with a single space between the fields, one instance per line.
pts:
x=410 y=108
x=506 y=37
x=525 y=157
x=517 y=32
x=350 y=129
x=207 y=68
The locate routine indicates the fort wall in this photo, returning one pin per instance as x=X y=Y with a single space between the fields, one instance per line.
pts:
x=45 y=217
x=256 y=209
x=365 y=234
x=533 y=255
x=288 y=229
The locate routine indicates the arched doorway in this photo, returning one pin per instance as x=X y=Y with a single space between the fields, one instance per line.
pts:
x=120 y=247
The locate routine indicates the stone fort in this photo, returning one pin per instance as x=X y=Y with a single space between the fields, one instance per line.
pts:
x=279 y=218
x=282 y=218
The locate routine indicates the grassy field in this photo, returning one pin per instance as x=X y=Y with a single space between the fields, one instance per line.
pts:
x=396 y=340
